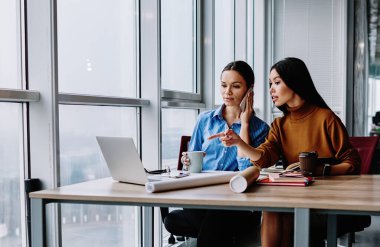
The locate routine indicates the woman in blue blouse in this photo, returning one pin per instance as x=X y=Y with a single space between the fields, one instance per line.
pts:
x=214 y=227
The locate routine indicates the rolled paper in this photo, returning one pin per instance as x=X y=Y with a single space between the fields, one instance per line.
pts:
x=193 y=180
x=240 y=182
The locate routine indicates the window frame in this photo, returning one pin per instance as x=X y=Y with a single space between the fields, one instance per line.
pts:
x=19 y=95
x=179 y=99
x=44 y=144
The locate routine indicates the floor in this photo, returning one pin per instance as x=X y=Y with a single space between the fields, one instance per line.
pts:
x=370 y=237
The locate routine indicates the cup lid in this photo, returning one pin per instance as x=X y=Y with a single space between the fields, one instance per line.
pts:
x=311 y=154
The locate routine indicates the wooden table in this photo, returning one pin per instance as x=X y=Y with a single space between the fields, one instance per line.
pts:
x=332 y=196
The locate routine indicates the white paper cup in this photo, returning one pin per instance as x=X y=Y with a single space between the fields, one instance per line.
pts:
x=196 y=161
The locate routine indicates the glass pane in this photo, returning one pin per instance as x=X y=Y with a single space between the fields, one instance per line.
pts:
x=81 y=160
x=178 y=45
x=175 y=123
x=377 y=92
x=224 y=40
x=10 y=50
x=373 y=103
x=10 y=167
x=97 y=47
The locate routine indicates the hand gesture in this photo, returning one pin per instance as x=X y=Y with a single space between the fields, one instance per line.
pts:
x=228 y=138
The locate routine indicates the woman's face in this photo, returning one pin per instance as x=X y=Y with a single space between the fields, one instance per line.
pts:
x=232 y=87
x=279 y=91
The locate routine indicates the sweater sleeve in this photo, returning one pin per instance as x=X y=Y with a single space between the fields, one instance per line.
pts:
x=270 y=149
x=258 y=132
x=344 y=152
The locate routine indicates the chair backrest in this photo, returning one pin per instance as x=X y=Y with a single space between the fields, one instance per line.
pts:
x=182 y=148
x=366 y=146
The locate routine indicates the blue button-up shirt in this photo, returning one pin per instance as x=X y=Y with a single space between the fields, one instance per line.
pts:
x=219 y=157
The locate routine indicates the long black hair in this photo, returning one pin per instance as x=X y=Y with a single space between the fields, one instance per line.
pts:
x=296 y=76
x=244 y=70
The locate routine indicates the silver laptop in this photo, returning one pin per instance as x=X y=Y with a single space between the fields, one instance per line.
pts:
x=122 y=159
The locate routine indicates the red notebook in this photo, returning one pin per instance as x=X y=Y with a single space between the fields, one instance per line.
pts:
x=304 y=183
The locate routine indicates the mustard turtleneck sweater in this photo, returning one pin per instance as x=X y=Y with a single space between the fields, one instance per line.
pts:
x=308 y=128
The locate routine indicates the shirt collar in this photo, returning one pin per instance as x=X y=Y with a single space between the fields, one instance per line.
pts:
x=219 y=114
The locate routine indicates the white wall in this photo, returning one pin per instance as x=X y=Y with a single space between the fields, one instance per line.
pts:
x=316 y=32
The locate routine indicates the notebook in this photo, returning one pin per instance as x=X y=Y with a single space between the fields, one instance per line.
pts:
x=123 y=161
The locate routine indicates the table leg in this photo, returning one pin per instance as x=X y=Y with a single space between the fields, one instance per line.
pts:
x=38 y=216
x=331 y=230
x=301 y=227
x=148 y=226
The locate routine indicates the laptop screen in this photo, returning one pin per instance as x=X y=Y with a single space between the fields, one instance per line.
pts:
x=122 y=159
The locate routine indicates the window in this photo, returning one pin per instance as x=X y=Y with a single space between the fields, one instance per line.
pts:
x=224 y=40
x=176 y=122
x=82 y=161
x=178 y=45
x=79 y=125
x=180 y=84
x=93 y=62
x=97 y=79
x=12 y=210
x=10 y=48
x=233 y=37
x=373 y=101
x=11 y=164
x=97 y=47
x=179 y=62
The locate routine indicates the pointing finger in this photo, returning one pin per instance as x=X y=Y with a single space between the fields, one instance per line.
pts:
x=221 y=134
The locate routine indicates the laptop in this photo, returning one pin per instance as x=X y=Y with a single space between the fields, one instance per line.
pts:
x=122 y=159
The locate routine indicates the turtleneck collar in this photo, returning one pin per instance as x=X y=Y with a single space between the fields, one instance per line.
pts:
x=301 y=111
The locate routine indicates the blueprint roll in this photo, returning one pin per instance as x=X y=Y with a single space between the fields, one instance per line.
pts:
x=240 y=182
x=193 y=180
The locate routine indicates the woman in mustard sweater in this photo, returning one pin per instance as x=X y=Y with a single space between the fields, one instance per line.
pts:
x=307 y=124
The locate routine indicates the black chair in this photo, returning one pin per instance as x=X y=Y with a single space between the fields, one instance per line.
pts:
x=165 y=211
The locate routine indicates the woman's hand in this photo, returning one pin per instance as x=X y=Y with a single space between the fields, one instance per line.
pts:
x=228 y=138
x=185 y=161
x=245 y=115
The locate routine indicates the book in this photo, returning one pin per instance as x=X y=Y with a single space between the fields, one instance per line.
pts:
x=266 y=181
x=287 y=178
x=240 y=182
